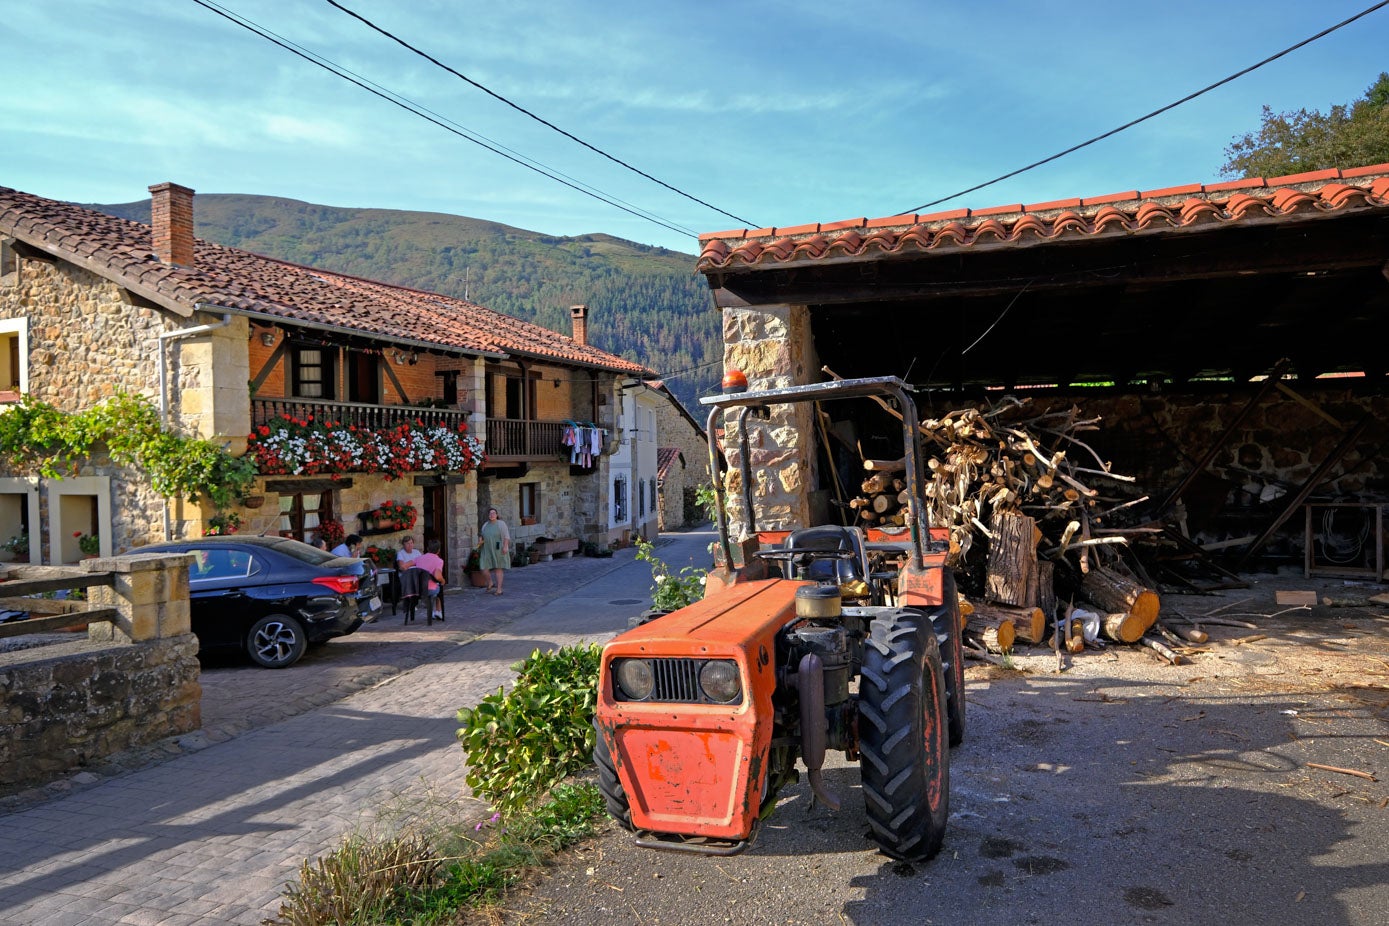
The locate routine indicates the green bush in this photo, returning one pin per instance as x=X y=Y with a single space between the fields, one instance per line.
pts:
x=522 y=742
x=671 y=591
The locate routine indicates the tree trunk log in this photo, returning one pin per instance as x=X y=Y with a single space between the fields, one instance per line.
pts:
x=1046 y=589
x=1114 y=593
x=1012 y=570
x=1122 y=627
x=885 y=503
x=886 y=466
x=1029 y=624
x=997 y=636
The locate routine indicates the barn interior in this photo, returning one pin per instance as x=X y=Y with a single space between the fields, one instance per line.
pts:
x=1238 y=369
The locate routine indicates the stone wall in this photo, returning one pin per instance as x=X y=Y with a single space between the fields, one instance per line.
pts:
x=89 y=339
x=566 y=502
x=128 y=684
x=772 y=345
x=674 y=429
x=84 y=701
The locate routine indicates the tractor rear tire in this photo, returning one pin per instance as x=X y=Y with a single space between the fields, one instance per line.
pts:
x=904 y=736
x=946 y=619
x=614 y=795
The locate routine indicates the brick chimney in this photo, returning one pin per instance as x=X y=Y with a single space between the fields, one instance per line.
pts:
x=579 y=315
x=171 y=215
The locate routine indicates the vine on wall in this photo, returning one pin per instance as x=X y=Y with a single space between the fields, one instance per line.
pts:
x=55 y=443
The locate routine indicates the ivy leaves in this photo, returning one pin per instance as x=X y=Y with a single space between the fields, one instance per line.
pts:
x=56 y=443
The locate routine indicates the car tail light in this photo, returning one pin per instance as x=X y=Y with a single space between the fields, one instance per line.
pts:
x=343 y=585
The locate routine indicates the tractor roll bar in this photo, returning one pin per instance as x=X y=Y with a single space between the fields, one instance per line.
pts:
x=760 y=401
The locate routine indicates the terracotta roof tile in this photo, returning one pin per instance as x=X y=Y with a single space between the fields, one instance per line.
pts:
x=890 y=220
x=1129 y=212
x=997 y=210
x=1172 y=191
x=665 y=458
x=1123 y=197
x=276 y=289
x=1054 y=204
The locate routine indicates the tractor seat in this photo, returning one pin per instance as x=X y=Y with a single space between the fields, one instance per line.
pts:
x=828 y=537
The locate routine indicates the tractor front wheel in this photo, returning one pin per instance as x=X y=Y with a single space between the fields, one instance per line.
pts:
x=904 y=736
x=614 y=796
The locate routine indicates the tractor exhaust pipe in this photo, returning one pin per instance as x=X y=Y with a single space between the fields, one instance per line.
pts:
x=810 y=680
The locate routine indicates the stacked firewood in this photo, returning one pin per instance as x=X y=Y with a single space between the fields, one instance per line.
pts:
x=1031 y=506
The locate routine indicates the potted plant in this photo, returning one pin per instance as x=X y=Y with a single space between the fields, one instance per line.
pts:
x=519 y=556
x=89 y=544
x=16 y=548
x=396 y=516
x=332 y=532
x=222 y=523
x=473 y=568
x=383 y=556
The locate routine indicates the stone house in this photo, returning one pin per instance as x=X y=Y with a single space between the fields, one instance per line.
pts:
x=1169 y=312
x=682 y=461
x=231 y=345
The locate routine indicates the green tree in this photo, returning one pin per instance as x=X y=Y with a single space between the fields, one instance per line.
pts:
x=1294 y=142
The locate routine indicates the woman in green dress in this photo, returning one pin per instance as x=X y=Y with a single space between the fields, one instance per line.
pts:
x=494 y=550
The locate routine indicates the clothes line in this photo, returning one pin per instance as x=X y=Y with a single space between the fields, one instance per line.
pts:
x=584 y=440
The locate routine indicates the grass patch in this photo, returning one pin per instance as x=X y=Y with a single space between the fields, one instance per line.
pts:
x=440 y=876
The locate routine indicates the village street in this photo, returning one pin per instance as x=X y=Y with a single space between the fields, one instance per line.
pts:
x=291 y=761
x=1121 y=791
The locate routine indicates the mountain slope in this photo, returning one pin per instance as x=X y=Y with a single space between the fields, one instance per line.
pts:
x=645 y=303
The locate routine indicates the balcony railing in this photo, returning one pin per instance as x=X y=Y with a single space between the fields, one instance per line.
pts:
x=509 y=440
x=520 y=439
x=353 y=413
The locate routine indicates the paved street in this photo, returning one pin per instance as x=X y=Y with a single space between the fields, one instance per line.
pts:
x=291 y=761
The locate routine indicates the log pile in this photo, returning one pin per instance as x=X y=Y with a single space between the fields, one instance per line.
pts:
x=1032 y=512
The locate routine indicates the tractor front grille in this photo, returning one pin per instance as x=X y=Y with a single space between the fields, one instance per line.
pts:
x=676 y=680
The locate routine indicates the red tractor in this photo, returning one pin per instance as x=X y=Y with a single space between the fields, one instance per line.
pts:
x=824 y=637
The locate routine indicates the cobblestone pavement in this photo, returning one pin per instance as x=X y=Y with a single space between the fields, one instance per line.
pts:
x=291 y=761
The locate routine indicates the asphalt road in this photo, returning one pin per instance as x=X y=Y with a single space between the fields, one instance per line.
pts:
x=1118 y=792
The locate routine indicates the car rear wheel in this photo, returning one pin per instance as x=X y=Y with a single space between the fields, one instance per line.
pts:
x=904 y=736
x=276 y=641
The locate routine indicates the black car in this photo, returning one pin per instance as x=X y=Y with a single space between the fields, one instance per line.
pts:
x=272 y=596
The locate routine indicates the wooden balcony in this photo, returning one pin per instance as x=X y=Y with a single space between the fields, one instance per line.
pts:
x=516 y=440
x=353 y=413
x=509 y=440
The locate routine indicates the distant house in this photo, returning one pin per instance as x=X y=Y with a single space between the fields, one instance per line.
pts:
x=235 y=347
x=682 y=461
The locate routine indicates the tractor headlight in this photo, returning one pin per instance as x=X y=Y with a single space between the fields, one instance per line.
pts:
x=718 y=679
x=635 y=678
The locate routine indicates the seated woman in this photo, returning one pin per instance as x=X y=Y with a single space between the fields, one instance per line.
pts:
x=433 y=566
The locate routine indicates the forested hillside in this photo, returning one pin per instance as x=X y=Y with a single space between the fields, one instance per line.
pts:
x=645 y=303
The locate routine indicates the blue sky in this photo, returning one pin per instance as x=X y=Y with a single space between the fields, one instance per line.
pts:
x=780 y=113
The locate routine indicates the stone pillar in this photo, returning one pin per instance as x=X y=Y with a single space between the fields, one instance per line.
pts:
x=212 y=370
x=150 y=592
x=773 y=346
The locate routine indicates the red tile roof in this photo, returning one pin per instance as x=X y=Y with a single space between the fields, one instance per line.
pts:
x=1258 y=200
x=665 y=458
x=240 y=281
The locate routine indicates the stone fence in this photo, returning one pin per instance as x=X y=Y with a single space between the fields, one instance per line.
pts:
x=131 y=681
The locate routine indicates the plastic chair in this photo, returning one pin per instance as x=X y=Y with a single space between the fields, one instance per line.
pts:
x=414 y=588
x=413 y=583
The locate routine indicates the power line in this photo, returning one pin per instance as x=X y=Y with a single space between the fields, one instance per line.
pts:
x=521 y=109
x=1157 y=112
x=440 y=121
